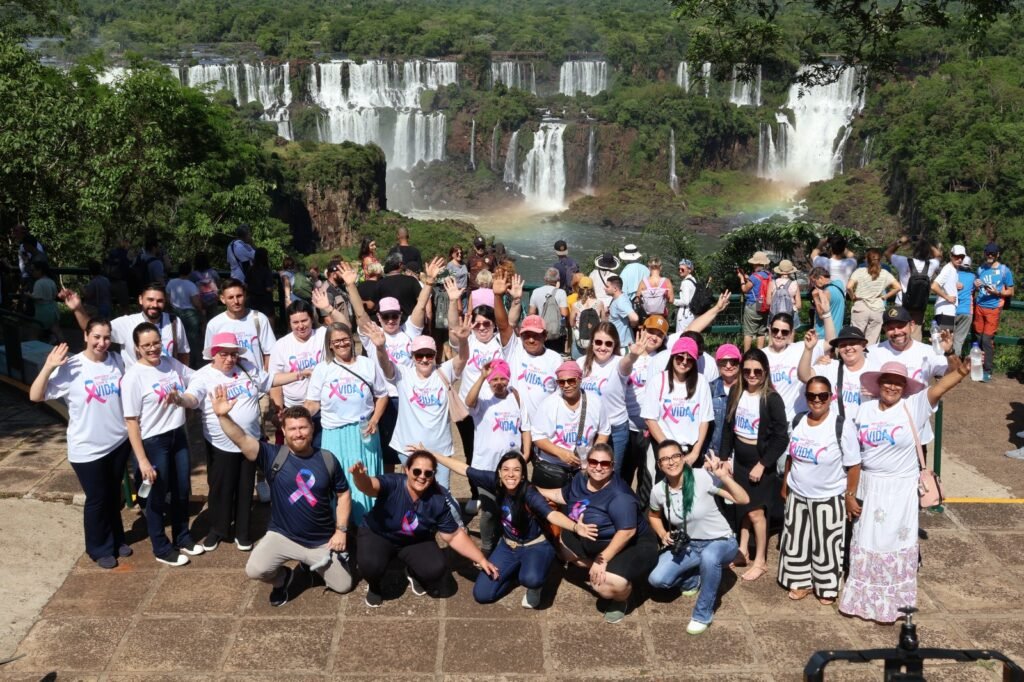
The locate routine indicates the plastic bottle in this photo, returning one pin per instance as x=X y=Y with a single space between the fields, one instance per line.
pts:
x=364 y=424
x=144 y=489
x=936 y=345
x=977 y=363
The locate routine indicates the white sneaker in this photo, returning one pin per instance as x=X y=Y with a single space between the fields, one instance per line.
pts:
x=1020 y=434
x=243 y=548
x=695 y=628
x=472 y=507
x=195 y=549
x=1016 y=454
x=531 y=600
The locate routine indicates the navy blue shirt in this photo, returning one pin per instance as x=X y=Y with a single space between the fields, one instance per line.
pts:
x=301 y=505
x=537 y=508
x=405 y=522
x=612 y=508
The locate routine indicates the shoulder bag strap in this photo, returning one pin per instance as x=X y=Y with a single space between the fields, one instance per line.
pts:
x=917 y=442
x=839 y=391
x=368 y=384
x=583 y=418
x=256 y=322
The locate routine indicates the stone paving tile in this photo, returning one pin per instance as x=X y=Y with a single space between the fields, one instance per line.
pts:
x=100 y=593
x=509 y=607
x=16 y=482
x=397 y=647
x=469 y=647
x=60 y=483
x=35 y=457
x=724 y=645
x=301 y=644
x=308 y=597
x=1006 y=636
x=202 y=592
x=990 y=516
x=568 y=644
x=172 y=645
x=69 y=644
x=784 y=641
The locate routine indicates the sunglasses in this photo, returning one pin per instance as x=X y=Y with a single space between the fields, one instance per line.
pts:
x=421 y=356
x=602 y=344
x=818 y=397
x=390 y=317
x=567 y=382
x=728 y=362
x=599 y=463
x=483 y=324
x=683 y=358
x=669 y=459
x=423 y=473
x=778 y=331
x=753 y=371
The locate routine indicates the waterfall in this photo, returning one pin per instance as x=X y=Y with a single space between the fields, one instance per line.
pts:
x=511 y=175
x=495 y=138
x=771 y=153
x=865 y=153
x=543 y=179
x=514 y=75
x=683 y=76
x=812 y=148
x=587 y=76
x=591 y=161
x=705 y=75
x=673 y=180
x=746 y=93
x=112 y=75
x=267 y=84
x=472 y=146
x=382 y=105
x=213 y=77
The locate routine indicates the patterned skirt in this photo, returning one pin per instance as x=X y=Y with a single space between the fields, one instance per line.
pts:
x=347 y=446
x=883 y=551
x=811 y=551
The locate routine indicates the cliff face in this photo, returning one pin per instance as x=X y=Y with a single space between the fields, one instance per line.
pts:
x=334 y=212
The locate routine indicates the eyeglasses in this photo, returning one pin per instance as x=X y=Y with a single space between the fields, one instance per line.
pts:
x=423 y=473
x=337 y=343
x=728 y=362
x=567 y=382
x=778 y=331
x=390 y=317
x=150 y=346
x=817 y=397
x=753 y=371
x=670 y=459
x=483 y=324
x=682 y=358
x=597 y=343
x=599 y=463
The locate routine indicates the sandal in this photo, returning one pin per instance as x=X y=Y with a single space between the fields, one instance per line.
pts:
x=796 y=594
x=754 y=573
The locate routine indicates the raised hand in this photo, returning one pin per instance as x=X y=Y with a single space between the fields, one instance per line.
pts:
x=642 y=343
x=57 y=357
x=433 y=268
x=499 y=286
x=517 y=286
x=453 y=290
x=373 y=332
x=946 y=340
x=822 y=303
x=348 y=273
x=461 y=331
x=810 y=339
x=357 y=469
x=319 y=299
x=71 y=299
x=723 y=301
x=220 y=403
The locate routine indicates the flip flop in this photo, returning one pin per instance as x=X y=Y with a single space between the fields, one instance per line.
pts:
x=798 y=594
x=754 y=573
x=826 y=601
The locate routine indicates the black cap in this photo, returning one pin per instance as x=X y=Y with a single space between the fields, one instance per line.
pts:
x=848 y=333
x=897 y=314
x=561 y=248
x=991 y=247
x=479 y=242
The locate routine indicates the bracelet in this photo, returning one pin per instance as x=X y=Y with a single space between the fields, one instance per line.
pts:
x=343 y=529
x=849 y=493
x=574 y=524
x=826 y=317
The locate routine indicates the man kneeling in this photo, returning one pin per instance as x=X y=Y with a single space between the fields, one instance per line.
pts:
x=302 y=522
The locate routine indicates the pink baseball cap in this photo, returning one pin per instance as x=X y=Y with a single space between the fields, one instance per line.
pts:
x=222 y=340
x=389 y=304
x=569 y=368
x=421 y=343
x=533 y=323
x=684 y=344
x=728 y=351
x=499 y=368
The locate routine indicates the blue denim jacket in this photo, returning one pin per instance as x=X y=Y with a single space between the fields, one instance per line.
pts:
x=720 y=403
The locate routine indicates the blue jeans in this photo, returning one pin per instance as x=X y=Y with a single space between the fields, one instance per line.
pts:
x=168 y=454
x=101 y=482
x=526 y=565
x=699 y=564
x=620 y=444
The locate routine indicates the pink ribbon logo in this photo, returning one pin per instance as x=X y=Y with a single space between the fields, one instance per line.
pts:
x=304 y=487
x=666 y=412
x=92 y=393
x=160 y=391
x=409 y=523
x=335 y=391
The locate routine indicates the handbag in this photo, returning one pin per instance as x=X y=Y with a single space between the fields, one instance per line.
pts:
x=457 y=410
x=550 y=475
x=929 y=486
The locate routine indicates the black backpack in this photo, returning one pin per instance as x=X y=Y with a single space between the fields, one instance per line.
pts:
x=586 y=323
x=919 y=287
x=702 y=298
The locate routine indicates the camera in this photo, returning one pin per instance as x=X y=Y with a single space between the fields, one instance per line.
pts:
x=678 y=540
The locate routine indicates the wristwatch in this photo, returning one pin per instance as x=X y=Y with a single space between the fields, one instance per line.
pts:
x=343 y=529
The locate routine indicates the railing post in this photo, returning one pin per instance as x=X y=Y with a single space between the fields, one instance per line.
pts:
x=937 y=457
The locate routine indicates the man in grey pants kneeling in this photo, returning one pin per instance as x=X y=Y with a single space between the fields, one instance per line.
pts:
x=303 y=484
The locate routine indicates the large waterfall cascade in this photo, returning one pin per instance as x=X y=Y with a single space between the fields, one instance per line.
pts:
x=810 y=147
x=673 y=179
x=746 y=93
x=543 y=176
x=382 y=105
x=589 y=76
x=511 y=74
x=265 y=83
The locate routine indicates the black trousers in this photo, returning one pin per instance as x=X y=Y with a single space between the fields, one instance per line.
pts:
x=231 y=478
x=467 y=432
x=425 y=560
x=101 y=481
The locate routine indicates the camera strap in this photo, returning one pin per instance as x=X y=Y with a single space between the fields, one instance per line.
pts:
x=668 y=504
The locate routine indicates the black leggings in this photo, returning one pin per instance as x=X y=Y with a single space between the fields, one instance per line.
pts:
x=425 y=560
x=467 y=431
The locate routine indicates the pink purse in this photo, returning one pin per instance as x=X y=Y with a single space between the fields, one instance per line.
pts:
x=929 y=485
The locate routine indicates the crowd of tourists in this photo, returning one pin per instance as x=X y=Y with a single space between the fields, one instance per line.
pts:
x=602 y=436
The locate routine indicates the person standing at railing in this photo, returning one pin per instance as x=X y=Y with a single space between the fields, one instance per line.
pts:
x=964 y=304
x=869 y=289
x=188 y=306
x=994 y=288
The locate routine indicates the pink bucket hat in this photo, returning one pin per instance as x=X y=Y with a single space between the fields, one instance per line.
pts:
x=422 y=343
x=533 y=323
x=569 y=369
x=389 y=304
x=499 y=368
x=684 y=344
x=728 y=351
x=222 y=340
x=481 y=297
x=869 y=380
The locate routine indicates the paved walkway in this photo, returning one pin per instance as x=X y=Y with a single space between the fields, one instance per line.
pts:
x=207 y=621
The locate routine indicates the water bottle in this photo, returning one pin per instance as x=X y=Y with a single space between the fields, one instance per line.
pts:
x=936 y=345
x=144 y=489
x=977 y=362
x=364 y=425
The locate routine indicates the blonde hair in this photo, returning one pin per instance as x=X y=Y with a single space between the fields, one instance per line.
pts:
x=484 y=279
x=654 y=263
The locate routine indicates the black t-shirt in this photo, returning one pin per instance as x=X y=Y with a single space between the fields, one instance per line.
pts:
x=403 y=287
x=537 y=507
x=410 y=256
x=301 y=508
x=398 y=518
x=368 y=292
x=612 y=508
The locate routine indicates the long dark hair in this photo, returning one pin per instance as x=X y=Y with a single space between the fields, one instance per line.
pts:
x=740 y=387
x=604 y=328
x=514 y=499
x=364 y=248
x=691 y=375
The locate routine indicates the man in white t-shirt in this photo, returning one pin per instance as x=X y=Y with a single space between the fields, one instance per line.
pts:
x=302 y=349
x=926 y=258
x=605 y=266
x=241 y=253
x=251 y=327
x=538 y=299
x=946 y=287
x=840 y=262
x=152 y=302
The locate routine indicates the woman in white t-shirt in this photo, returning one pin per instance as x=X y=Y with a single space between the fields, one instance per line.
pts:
x=843 y=374
x=349 y=393
x=152 y=396
x=606 y=377
x=884 y=501
x=302 y=349
x=423 y=391
x=230 y=475
x=683 y=505
x=784 y=360
x=98 y=449
x=821 y=451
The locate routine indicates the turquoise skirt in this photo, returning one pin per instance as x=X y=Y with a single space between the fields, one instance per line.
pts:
x=347 y=446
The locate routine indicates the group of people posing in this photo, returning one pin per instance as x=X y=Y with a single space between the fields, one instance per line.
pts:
x=650 y=459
